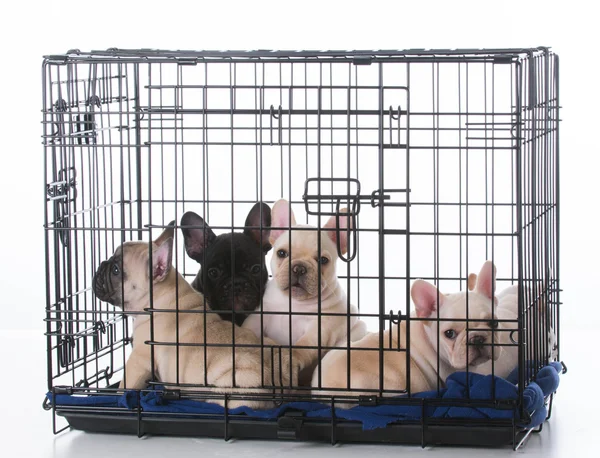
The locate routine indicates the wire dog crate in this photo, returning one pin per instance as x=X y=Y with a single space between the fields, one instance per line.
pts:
x=443 y=158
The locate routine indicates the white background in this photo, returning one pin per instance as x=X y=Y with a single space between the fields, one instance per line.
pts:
x=30 y=30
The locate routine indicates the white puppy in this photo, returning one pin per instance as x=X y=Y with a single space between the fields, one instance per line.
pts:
x=434 y=351
x=299 y=269
x=508 y=302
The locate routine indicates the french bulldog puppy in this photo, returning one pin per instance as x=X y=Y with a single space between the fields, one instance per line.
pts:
x=233 y=273
x=126 y=281
x=508 y=303
x=297 y=266
x=457 y=347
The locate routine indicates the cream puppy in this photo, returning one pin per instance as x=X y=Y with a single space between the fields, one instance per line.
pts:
x=508 y=302
x=428 y=368
x=303 y=275
x=124 y=281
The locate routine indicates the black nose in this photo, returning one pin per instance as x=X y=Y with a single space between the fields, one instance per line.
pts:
x=299 y=270
x=238 y=286
x=477 y=340
x=98 y=280
x=241 y=286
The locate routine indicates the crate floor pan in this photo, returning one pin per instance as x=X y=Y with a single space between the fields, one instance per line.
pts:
x=496 y=433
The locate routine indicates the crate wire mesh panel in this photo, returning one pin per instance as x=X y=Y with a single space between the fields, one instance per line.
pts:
x=444 y=158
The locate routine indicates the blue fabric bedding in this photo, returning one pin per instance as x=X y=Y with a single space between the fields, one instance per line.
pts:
x=459 y=386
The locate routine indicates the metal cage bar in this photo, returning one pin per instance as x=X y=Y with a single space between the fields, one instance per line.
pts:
x=417 y=144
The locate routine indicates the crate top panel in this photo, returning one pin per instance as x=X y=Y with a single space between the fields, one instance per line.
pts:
x=358 y=57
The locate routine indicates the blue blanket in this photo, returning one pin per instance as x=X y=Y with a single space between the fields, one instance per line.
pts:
x=459 y=386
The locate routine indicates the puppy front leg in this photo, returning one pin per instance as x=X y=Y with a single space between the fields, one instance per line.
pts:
x=304 y=357
x=307 y=358
x=137 y=369
x=332 y=331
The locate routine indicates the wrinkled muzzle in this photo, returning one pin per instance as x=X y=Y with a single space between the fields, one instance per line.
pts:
x=241 y=295
x=481 y=349
x=107 y=287
x=301 y=280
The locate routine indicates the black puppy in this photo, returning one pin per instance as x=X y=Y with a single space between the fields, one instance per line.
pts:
x=225 y=288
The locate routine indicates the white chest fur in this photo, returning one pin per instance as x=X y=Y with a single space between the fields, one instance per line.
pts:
x=285 y=317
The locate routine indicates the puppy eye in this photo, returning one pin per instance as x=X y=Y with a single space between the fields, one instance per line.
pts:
x=323 y=260
x=282 y=254
x=450 y=334
x=255 y=269
x=213 y=272
x=115 y=270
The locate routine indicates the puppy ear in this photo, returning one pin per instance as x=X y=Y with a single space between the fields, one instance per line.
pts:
x=471 y=282
x=486 y=280
x=161 y=260
x=425 y=297
x=197 y=235
x=168 y=233
x=345 y=224
x=281 y=216
x=260 y=215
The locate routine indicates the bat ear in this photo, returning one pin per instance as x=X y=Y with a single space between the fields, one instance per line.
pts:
x=345 y=223
x=161 y=260
x=471 y=282
x=198 y=236
x=259 y=217
x=486 y=280
x=168 y=233
x=425 y=297
x=282 y=217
